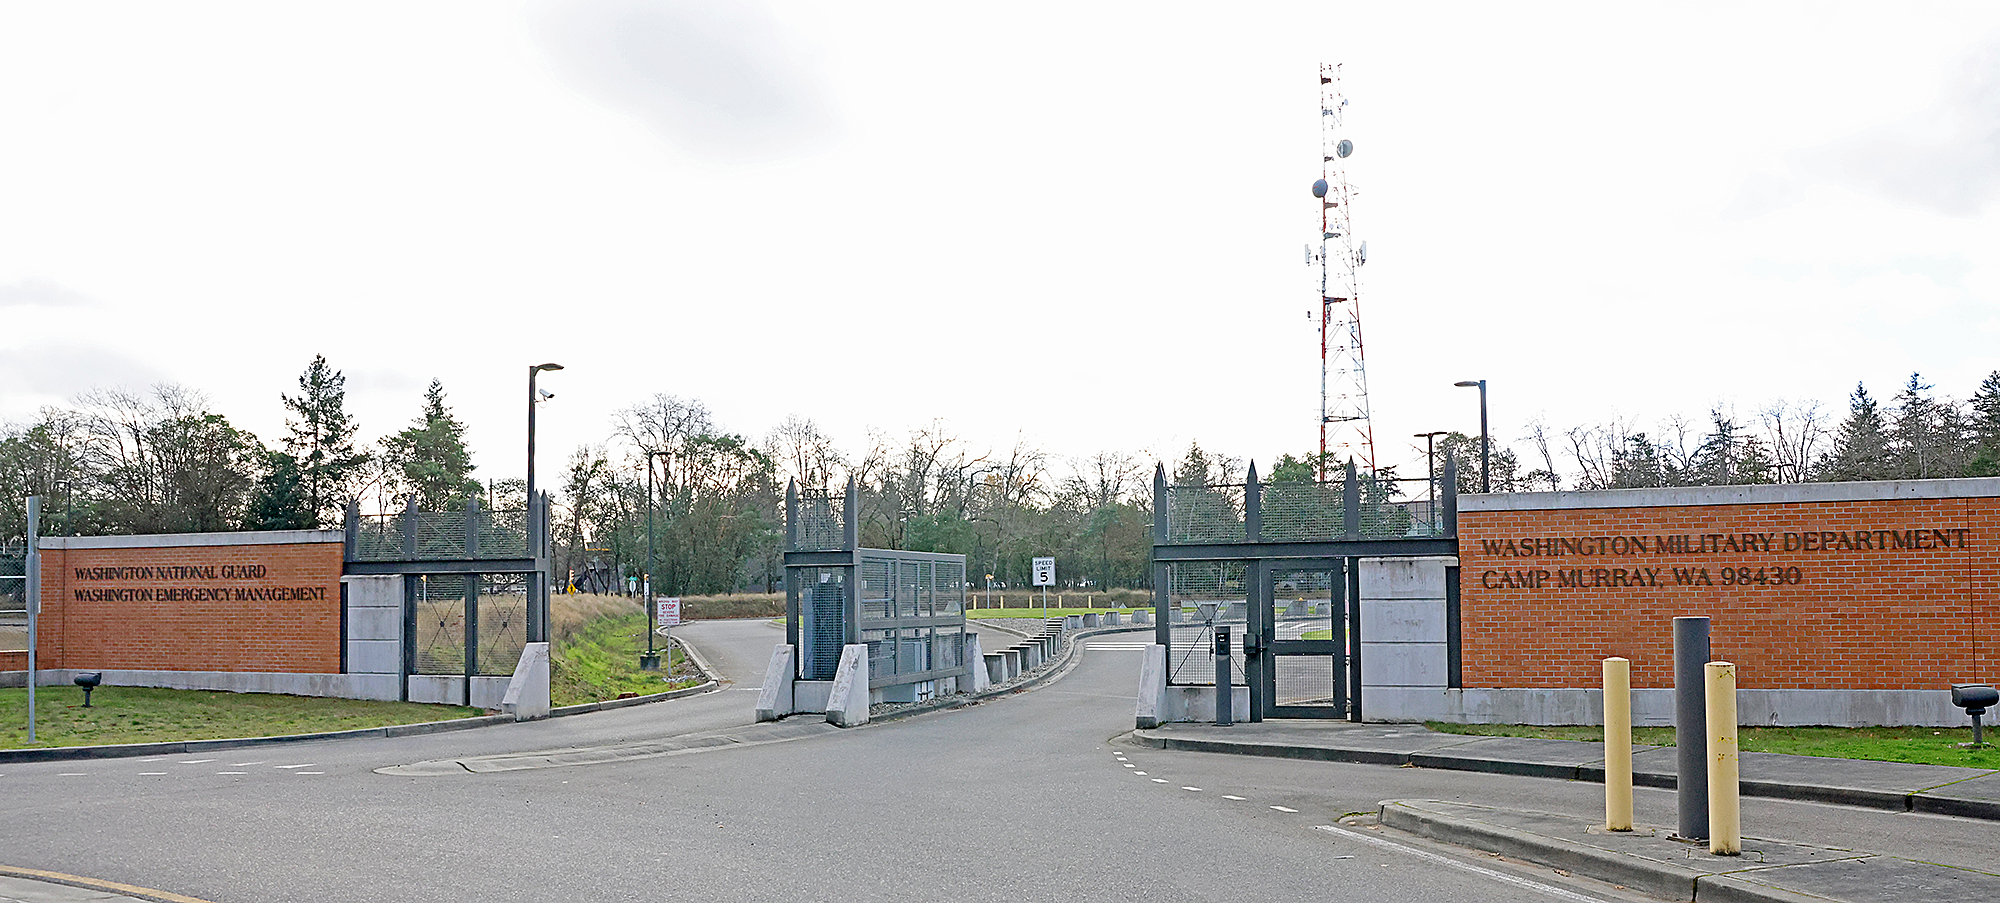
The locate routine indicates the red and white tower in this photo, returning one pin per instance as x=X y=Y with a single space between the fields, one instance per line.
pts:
x=1344 y=429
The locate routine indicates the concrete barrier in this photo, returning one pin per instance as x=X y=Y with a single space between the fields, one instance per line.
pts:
x=527 y=695
x=847 y=704
x=774 y=700
x=996 y=667
x=1093 y=619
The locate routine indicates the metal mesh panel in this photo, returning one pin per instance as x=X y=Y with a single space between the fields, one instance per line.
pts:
x=1205 y=514
x=878 y=588
x=882 y=649
x=823 y=610
x=819 y=526
x=440 y=535
x=908 y=576
x=949 y=583
x=1302 y=512
x=13 y=600
x=1302 y=609
x=503 y=623
x=378 y=537
x=440 y=624
x=1207 y=594
x=503 y=534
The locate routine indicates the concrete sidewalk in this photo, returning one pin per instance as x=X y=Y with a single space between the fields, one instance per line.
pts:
x=1648 y=859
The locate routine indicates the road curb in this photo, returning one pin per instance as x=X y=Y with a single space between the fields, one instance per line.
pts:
x=1652 y=878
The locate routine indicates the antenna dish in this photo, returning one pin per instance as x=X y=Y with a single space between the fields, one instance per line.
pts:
x=1361 y=256
x=1344 y=148
x=1319 y=188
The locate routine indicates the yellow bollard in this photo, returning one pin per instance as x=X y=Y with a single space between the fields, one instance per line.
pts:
x=1725 y=810
x=1617 y=744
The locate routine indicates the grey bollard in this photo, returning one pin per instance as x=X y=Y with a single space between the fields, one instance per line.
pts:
x=996 y=667
x=1691 y=653
x=1111 y=619
x=1013 y=658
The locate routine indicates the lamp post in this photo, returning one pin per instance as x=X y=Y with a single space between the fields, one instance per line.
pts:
x=1430 y=475
x=1485 y=439
x=539 y=593
x=651 y=660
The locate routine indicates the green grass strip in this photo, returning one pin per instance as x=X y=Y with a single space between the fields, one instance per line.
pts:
x=150 y=715
x=1918 y=745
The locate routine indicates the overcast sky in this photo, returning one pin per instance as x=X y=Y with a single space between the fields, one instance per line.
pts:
x=1081 y=225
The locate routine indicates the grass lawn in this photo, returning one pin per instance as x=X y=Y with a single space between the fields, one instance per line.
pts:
x=600 y=660
x=148 y=715
x=1921 y=745
x=596 y=657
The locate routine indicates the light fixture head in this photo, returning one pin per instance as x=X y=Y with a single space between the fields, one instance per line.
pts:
x=1468 y=383
x=547 y=367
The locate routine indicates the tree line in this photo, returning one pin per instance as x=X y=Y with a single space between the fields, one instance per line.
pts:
x=160 y=461
x=671 y=495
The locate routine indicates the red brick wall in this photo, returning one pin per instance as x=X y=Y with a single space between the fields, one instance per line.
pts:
x=225 y=615
x=1828 y=614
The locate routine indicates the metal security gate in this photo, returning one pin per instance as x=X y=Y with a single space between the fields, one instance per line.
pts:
x=1308 y=637
x=1282 y=560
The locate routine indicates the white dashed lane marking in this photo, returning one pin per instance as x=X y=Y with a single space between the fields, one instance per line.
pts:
x=306 y=765
x=1283 y=809
x=197 y=761
x=1236 y=798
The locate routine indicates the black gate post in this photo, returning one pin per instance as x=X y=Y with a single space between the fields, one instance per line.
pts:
x=1351 y=505
x=471 y=598
x=1256 y=603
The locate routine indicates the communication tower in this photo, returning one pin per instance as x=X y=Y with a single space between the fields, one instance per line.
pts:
x=1344 y=429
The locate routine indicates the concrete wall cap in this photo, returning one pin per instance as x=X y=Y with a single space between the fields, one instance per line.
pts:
x=183 y=540
x=1680 y=496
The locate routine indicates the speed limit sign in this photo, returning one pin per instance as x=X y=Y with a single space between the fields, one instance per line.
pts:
x=1045 y=571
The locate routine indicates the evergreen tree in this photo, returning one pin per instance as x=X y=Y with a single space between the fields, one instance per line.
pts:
x=1927 y=439
x=279 y=501
x=321 y=442
x=1983 y=429
x=431 y=458
x=1637 y=464
x=1860 y=446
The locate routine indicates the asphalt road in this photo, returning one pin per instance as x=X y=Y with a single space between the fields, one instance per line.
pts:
x=1026 y=797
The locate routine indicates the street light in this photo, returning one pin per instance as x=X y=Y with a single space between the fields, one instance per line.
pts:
x=538 y=593
x=651 y=660
x=1430 y=474
x=1485 y=439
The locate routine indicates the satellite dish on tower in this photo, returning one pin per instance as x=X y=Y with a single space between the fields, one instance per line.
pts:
x=1344 y=148
x=1361 y=255
x=1319 y=188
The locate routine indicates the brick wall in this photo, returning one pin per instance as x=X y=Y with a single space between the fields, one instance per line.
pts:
x=205 y=602
x=1842 y=593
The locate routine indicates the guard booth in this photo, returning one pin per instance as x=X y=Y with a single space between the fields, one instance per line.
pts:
x=1279 y=567
x=906 y=608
